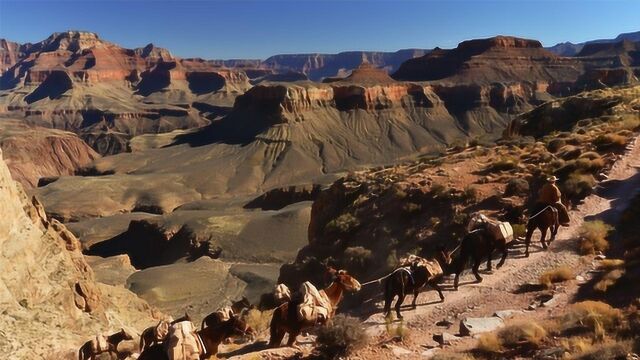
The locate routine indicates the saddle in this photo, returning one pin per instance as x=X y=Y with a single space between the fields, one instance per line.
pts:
x=99 y=344
x=315 y=306
x=413 y=261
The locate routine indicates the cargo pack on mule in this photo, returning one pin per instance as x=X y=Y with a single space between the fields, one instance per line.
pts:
x=483 y=238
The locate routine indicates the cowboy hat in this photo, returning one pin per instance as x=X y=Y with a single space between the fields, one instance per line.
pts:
x=552 y=179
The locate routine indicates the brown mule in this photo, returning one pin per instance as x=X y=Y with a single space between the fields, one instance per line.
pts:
x=478 y=245
x=91 y=348
x=213 y=336
x=404 y=281
x=543 y=220
x=285 y=318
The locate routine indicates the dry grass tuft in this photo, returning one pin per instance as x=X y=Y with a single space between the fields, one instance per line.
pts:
x=608 y=141
x=258 y=320
x=610 y=264
x=592 y=236
x=513 y=336
x=342 y=337
x=560 y=274
x=608 y=280
x=594 y=316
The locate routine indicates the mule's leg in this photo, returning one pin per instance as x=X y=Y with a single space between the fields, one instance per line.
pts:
x=438 y=289
x=461 y=263
x=401 y=297
x=416 y=292
x=476 y=267
x=293 y=335
x=491 y=249
x=543 y=236
x=527 y=240
x=387 y=304
x=505 y=252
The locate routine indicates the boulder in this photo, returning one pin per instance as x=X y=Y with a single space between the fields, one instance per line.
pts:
x=474 y=326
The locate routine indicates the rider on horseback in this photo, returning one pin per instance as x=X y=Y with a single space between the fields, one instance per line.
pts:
x=550 y=195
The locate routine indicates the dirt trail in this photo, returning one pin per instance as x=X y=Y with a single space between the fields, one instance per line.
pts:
x=496 y=292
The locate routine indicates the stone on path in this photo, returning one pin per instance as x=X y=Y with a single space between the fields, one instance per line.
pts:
x=474 y=326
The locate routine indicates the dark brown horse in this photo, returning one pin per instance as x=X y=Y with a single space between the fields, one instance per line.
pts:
x=216 y=317
x=213 y=336
x=543 y=219
x=91 y=348
x=404 y=281
x=150 y=336
x=477 y=245
x=285 y=318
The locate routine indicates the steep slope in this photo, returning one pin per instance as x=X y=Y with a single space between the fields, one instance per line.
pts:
x=33 y=152
x=368 y=219
x=51 y=302
x=76 y=81
x=282 y=134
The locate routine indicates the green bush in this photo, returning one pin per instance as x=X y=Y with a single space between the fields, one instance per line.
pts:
x=517 y=186
x=610 y=141
x=342 y=224
x=555 y=145
x=592 y=236
x=341 y=337
x=578 y=185
x=357 y=257
x=503 y=164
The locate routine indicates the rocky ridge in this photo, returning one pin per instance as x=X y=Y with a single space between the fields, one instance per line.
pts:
x=50 y=298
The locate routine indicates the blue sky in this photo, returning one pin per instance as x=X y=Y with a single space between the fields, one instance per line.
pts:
x=257 y=29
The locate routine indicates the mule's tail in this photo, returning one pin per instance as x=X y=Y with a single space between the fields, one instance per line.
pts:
x=204 y=322
x=142 y=342
x=81 y=353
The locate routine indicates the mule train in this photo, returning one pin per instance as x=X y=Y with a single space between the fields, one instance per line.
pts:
x=179 y=339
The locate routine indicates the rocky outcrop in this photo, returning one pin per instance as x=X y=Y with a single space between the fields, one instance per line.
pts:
x=76 y=81
x=32 y=153
x=46 y=286
x=499 y=59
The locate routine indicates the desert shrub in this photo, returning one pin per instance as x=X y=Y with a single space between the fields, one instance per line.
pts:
x=578 y=185
x=470 y=194
x=594 y=316
x=618 y=350
x=503 y=164
x=591 y=155
x=395 y=330
x=610 y=264
x=556 y=275
x=609 y=141
x=360 y=200
x=522 y=333
x=609 y=279
x=516 y=186
x=592 y=236
x=440 y=191
x=489 y=343
x=342 y=224
x=340 y=338
x=411 y=208
x=555 y=145
x=569 y=152
x=515 y=335
x=258 y=320
x=631 y=122
x=357 y=257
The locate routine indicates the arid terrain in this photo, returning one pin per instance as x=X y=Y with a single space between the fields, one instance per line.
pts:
x=140 y=185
